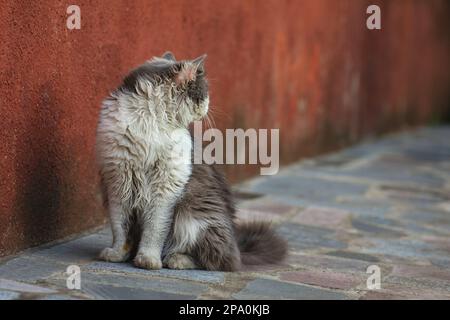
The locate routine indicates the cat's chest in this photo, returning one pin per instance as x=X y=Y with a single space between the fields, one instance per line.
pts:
x=170 y=147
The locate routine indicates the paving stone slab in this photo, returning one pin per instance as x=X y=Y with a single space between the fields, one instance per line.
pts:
x=268 y=205
x=420 y=197
x=6 y=284
x=414 y=290
x=364 y=207
x=59 y=297
x=374 y=229
x=417 y=271
x=441 y=262
x=272 y=289
x=127 y=268
x=323 y=217
x=428 y=153
x=382 y=220
x=306 y=237
x=383 y=295
x=437 y=218
x=323 y=262
x=25 y=268
x=78 y=251
x=395 y=172
x=168 y=285
x=102 y=291
x=9 y=295
x=324 y=279
x=414 y=284
x=307 y=188
x=353 y=255
x=406 y=248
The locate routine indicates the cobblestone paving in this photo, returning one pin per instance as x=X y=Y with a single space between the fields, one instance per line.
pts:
x=384 y=203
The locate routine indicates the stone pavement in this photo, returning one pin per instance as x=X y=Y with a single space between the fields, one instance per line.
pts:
x=384 y=203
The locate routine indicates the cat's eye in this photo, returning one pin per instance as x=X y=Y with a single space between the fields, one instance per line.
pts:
x=200 y=72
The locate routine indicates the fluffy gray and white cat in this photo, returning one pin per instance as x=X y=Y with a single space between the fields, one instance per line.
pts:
x=163 y=209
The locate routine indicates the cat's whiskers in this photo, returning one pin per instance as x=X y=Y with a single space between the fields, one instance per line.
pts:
x=211 y=121
x=207 y=122
x=217 y=111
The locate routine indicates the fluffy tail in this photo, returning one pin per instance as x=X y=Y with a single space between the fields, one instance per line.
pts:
x=259 y=244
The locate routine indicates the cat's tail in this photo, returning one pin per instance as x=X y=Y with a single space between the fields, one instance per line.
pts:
x=259 y=244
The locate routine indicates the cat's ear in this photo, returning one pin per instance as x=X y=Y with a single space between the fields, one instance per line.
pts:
x=188 y=70
x=169 y=56
x=200 y=62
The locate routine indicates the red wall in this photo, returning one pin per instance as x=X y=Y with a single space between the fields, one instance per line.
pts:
x=310 y=68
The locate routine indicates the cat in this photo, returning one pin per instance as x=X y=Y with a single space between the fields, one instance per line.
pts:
x=164 y=210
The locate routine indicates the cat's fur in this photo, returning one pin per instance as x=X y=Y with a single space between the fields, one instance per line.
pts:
x=163 y=209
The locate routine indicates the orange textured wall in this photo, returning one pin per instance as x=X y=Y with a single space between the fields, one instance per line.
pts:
x=310 y=68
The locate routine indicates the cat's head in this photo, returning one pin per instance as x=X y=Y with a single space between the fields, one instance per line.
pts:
x=183 y=82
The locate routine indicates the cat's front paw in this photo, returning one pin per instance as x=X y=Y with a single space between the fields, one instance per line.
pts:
x=113 y=255
x=147 y=262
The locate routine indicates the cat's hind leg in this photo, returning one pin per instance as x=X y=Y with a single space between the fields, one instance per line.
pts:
x=179 y=261
x=217 y=250
x=197 y=242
